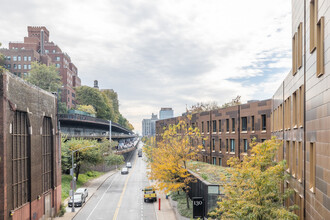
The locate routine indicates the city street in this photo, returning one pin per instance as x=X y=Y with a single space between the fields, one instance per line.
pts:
x=121 y=196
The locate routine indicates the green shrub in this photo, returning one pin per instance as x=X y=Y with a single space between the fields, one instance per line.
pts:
x=62 y=210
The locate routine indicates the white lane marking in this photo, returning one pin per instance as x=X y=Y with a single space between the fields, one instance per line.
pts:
x=102 y=196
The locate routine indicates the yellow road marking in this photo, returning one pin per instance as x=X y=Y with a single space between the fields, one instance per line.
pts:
x=122 y=194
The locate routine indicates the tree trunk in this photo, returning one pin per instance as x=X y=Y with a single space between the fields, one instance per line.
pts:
x=187 y=198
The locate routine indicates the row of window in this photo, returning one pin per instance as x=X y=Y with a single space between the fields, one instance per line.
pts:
x=230 y=145
x=19 y=74
x=295 y=102
x=294 y=159
x=244 y=124
x=18 y=66
x=19 y=58
x=53 y=51
x=21 y=159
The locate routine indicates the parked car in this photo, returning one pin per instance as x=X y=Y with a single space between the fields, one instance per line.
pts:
x=124 y=170
x=78 y=200
x=128 y=165
x=83 y=191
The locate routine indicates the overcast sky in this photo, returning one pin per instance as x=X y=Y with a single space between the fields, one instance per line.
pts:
x=165 y=53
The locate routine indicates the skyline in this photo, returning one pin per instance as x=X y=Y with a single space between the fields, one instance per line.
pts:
x=155 y=55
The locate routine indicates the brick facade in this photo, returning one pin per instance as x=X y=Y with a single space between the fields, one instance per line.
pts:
x=221 y=144
x=20 y=55
x=28 y=201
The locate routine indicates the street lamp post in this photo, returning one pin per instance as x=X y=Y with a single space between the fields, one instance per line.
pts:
x=110 y=132
x=72 y=173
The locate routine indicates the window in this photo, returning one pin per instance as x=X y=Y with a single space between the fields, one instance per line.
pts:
x=244 y=123
x=208 y=126
x=220 y=145
x=46 y=51
x=14 y=58
x=202 y=127
x=263 y=140
x=301 y=106
x=15 y=66
x=19 y=58
x=287 y=113
x=20 y=160
x=294 y=158
x=299 y=49
x=214 y=160
x=312 y=167
x=294 y=53
x=320 y=48
x=25 y=58
x=58 y=65
x=25 y=66
x=294 y=110
x=232 y=145
x=227 y=145
x=8 y=66
x=219 y=125
x=19 y=66
x=263 y=121
x=252 y=122
x=233 y=124
x=54 y=51
x=214 y=126
x=220 y=162
x=300 y=161
x=68 y=91
x=287 y=155
x=213 y=144
x=58 y=59
x=245 y=145
x=313 y=22
x=193 y=125
x=47 y=154
x=227 y=125
x=8 y=57
x=203 y=143
x=29 y=58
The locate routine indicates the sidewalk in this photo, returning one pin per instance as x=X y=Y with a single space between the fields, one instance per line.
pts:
x=166 y=211
x=92 y=187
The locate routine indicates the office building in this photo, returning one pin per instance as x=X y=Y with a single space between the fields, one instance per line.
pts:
x=165 y=113
x=37 y=47
x=149 y=126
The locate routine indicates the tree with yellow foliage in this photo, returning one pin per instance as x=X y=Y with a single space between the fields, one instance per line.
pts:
x=252 y=190
x=169 y=159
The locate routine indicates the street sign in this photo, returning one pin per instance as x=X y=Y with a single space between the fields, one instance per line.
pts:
x=198 y=207
x=70 y=192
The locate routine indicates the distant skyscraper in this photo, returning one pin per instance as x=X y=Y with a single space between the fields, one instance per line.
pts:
x=165 y=113
x=149 y=126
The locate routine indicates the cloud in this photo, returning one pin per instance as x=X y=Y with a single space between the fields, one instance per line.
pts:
x=165 y=52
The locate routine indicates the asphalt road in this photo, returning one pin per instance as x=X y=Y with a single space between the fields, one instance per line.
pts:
x=121 y=197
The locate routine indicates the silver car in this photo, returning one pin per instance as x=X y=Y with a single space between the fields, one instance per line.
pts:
x=78 y=200
x=83 y=191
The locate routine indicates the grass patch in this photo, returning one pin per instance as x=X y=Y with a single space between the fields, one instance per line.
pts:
x=182 y=204
x=83 y=178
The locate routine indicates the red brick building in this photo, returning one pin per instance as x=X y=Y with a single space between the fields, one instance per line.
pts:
x=229 y=131
x=37 y=47
x=30 y=167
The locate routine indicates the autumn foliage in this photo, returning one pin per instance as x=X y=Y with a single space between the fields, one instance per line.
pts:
x=253 y=187
x=168 y=163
